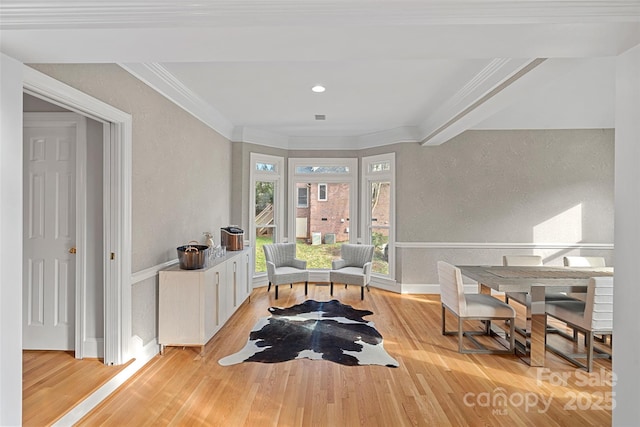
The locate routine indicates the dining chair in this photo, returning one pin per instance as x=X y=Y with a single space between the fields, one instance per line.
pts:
x=584 y=261
x=520 y=261
x=353 y=267
x=593 y=316
x=479 y=307
x=283 y=266
x=524 y=298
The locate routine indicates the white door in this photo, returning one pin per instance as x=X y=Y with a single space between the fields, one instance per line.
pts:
x=49 y=237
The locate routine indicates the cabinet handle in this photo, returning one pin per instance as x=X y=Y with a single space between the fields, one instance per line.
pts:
x=217 y=298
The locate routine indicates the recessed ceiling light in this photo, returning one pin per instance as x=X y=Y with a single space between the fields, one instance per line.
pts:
x=318 y=89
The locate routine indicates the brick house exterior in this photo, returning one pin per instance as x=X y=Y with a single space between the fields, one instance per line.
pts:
x=330 y=214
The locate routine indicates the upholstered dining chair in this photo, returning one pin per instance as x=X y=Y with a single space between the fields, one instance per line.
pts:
x=353 y=267
x=523 y=297
x=593 y=316
x=584 y=261
x=520 y=260
x=472 y=307
x=283 y=266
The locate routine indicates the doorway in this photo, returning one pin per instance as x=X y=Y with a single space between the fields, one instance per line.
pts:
x=117 y=137
x=63 y=250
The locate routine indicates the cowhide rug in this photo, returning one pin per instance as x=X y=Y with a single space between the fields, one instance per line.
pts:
x=314 y=330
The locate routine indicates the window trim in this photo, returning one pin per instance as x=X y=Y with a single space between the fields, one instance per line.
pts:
x=368 y=177
x=352 y=178
x=277 y=177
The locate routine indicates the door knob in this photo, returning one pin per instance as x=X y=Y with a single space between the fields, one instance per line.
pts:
x=72 y=250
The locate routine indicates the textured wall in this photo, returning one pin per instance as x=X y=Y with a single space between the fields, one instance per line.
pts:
x=181 y=168
x=181 y=174
x=520 y=186
x=504 y=186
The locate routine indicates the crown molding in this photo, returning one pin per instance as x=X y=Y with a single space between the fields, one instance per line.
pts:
x=356 y=142
x=32 y=14
x=161 y=80
x=260 y=137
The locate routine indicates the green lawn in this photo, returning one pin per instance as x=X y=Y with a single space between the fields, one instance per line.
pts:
x=317 y=256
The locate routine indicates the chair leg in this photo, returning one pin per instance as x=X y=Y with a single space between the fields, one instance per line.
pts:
x=269 y=287
x=589 y=338
x=306 y=284
x=460 y=335
x=512 y=335
x=276 y=291
x=331 y=289
x=362 y=293
x=443 y=322
x=291 y=285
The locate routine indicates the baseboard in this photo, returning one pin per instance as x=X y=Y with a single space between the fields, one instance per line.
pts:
x=142 y=356
x=93 y=347
x=420 y=288
x=391 y=287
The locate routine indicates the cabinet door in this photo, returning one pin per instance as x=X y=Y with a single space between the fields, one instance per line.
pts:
x=211 y=320
x=233 y=270
x=179 y=309
x=243 y=277
x=219 y=282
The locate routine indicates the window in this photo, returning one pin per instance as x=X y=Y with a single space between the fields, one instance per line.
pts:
x=378 y=208
x=303 y=197
x=322 y=192
x=330 y=218
x=381 y=166
x=266 y=167
x=324 y=169
x=266 y=204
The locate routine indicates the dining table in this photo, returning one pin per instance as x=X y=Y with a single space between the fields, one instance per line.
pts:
x=534 y=280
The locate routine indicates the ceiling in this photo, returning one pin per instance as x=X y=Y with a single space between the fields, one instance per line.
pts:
x=394 y=70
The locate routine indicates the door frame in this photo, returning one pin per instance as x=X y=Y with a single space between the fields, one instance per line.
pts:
x=60 y=119
x=117 y=131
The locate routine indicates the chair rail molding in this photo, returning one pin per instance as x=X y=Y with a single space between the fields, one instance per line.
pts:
x=502 y=245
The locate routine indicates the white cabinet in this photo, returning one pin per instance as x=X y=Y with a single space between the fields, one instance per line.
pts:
x=194 y=304
x=238 y=276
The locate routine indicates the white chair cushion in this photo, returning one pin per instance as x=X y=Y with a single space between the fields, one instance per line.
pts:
x=570 y=311
x=348 y=275
x=524 y=298
x=289 y=275
x=481 y=305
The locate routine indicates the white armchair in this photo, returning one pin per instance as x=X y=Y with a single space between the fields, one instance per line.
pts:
x=283 y=266
x=353 y=267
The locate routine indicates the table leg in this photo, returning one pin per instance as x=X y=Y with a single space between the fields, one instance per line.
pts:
x=538 y=326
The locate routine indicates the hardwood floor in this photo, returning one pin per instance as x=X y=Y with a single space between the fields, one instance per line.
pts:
x=53 y=382
x=434 y=385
